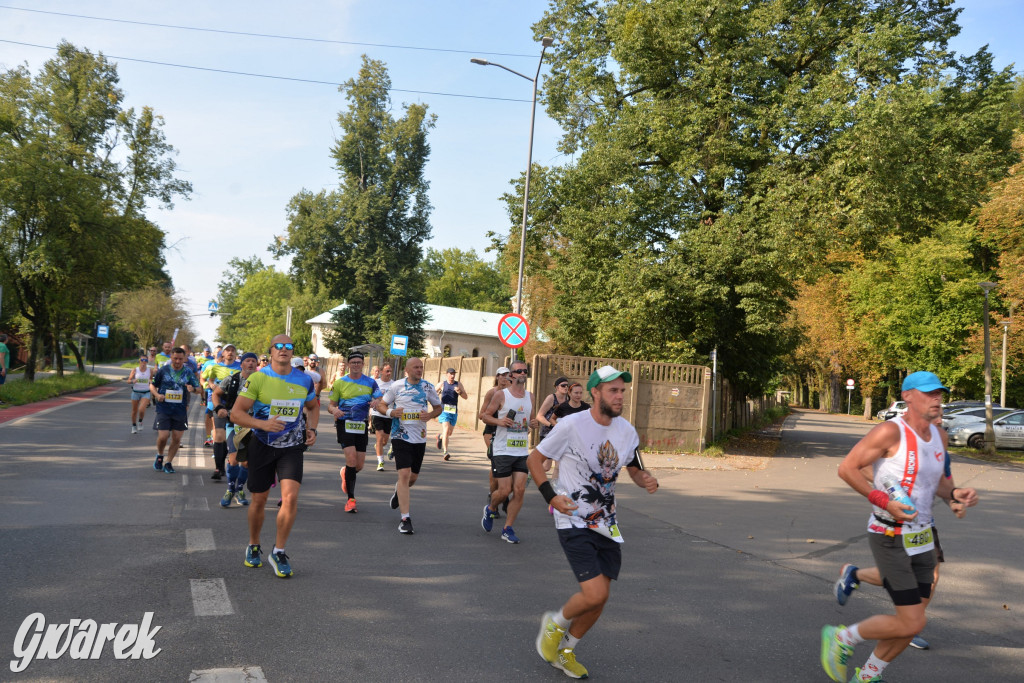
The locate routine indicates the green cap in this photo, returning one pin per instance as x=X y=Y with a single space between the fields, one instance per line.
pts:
x=606 y=374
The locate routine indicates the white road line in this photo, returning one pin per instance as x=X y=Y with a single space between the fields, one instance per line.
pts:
x=184 y=480
x=197 y=504
x=245 y=674
x=210 y=598
x=197 y=540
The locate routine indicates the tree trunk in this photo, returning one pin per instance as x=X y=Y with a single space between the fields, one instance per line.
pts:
x=30 y=364
x=55 y=342
x=78 y=355
x=867 y=407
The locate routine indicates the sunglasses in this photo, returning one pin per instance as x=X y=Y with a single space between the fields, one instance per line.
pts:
x=562 y=386
x=519 y=372
x=280 y=346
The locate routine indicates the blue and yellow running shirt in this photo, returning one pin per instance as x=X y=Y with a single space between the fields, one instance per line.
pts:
x=354 y=396
x=173 y=384
x=280 y=396
x=217 y=373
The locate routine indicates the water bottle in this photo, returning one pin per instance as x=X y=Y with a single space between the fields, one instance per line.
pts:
x=562 y=491
x=891 y=485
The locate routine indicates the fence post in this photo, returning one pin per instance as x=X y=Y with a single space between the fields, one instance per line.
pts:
x=633 y=400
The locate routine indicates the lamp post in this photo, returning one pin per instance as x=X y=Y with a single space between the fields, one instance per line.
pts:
x=1002 y=376
x=545 y=42
x=990 y=435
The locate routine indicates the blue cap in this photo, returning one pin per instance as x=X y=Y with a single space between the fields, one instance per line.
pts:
x=923 y=381
x=249 y=354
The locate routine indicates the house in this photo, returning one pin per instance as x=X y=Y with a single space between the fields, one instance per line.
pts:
x=447 y=332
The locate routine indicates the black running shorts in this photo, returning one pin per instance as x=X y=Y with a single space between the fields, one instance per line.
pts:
x=590 y=554
x=347 y=440
x=504 y=465
x=171 y=423
x=381 y=424
x=266 y=461
x=907 y=578
x=408 y=455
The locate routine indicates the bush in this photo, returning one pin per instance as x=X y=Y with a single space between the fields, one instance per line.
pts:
x=20 y=392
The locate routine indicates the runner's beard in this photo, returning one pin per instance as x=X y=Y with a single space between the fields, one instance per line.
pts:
x=607 y=409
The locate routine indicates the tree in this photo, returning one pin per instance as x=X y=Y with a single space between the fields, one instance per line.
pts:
x=151 y=315
x=461 y=279
x=363 y=241
x=239 y=270
x=76 y=173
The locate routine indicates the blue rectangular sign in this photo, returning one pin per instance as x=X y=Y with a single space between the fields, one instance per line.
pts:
x=102 y=331
x=399 y=345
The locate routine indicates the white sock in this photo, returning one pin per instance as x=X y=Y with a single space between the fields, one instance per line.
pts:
x=560 y=619
x=850 y=636
x=380 y=459
x=278 y=550
x=568 y=642
x=873 y=667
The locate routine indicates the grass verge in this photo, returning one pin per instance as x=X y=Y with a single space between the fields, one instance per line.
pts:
x=20 y=392
x=1000 y=456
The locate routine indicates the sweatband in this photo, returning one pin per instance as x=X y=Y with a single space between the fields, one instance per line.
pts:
x=548 y=491
x=879 y=498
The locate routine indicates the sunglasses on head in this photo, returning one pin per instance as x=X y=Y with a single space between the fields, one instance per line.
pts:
x=280 y=346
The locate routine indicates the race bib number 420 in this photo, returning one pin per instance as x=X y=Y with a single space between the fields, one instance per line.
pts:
x=285 y=410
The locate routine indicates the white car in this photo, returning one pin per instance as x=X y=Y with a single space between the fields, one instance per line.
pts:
x=971 y=415
x=1009 y=432
x=897 y=409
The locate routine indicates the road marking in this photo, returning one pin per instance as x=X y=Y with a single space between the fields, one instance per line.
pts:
x=184 y=480
x=210 y=598
x=197 y=504
x=199 y=539
x=245 y=674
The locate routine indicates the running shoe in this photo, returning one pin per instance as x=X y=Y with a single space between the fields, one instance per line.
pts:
x=856 y=678
x=919 y=643
x=566 y=661
x=487 y=522
x=380 y=465
x=447 y=456
x=834 y=653
x=240 y=497
x=252 y=556
x=216 y=476
x=135 y=430
x=549 y=637
x=438 y=442
x=168 y=469
x=394 y=499
x=405 y=526
x=279 y=561
x=158 y=464
x=509 y=534
x=391 y=453
x=344 y=488
x=350 y=505
x=225 y=500
x=846 y=584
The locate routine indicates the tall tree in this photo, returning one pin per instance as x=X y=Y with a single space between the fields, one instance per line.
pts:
x=461 y=279
x=152 y=314
x=236 y=274
x=363 y=241
x=76 y=173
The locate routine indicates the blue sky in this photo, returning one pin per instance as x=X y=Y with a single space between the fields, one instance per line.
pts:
x=249 y=144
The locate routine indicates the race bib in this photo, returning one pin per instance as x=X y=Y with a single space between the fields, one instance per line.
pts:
x=917 y=539
x=611 y=532
x=355 y=427
x=173 y=395
x=410 y=415
x=448 y=408
x=285 y=410
x=518 y=441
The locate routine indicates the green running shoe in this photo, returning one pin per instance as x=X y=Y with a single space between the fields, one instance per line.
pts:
x=549 y=637
x=834 y=654
x=567 y=663
x=856 y=678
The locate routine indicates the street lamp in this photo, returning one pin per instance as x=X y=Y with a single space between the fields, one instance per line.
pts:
x=990 y=435
x=545 y=42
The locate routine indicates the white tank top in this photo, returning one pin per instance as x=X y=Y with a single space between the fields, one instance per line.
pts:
x=141 y=382
x=514 y=441
x=918 y=465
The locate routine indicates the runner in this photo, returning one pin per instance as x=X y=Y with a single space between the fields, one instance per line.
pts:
x=575 y=404
x=224 y=396
x=213 y=374
x=170 y=387
x=208 y=386
x=449 y=390
x=139 y=379
x=501 y=381
x=591 y=448
x=314 y=374
x=349 y=404
x=164 y=357
x=264 y=361
x=509 y=447
x=380 y=424
x=552 y=401
x=408 y=402
x=910 y=450
x=284 y=420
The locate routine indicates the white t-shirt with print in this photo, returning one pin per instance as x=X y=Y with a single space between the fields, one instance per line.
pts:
x=384 y=386
x=412 y=398
x=589 y=457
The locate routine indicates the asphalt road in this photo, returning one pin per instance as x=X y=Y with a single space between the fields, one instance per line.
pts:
x=726 y=576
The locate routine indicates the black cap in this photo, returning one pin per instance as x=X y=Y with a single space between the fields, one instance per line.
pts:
x=356 y=354
x=560 y=380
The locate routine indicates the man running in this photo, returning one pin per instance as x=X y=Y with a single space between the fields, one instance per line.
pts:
x=450 y=389
x=409 y=402
x=212 y=375
x=170 y=387
x=349 y=405
x=284 y=420
x=139 y=379
x=380 y=424
x=224 y=396
x=314 y=374
x=502 y=380
x=510 y=448
x=591 y=447
x=909 y=450
x=164 y=357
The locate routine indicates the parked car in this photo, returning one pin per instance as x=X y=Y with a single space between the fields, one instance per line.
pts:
x=1009 y=432
x=897 y=409
x=960 y=406
x=971 y=415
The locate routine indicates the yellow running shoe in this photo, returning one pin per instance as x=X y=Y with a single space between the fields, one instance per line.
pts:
x=549 y=637
x=567 y=662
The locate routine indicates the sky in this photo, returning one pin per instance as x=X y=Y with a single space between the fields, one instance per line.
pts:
x=248 y=144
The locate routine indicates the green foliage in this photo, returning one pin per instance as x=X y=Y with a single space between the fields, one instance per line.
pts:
x=19 y=392
x=461 y=279
x=239 y=270
x=362 y=242
x=151 y=315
